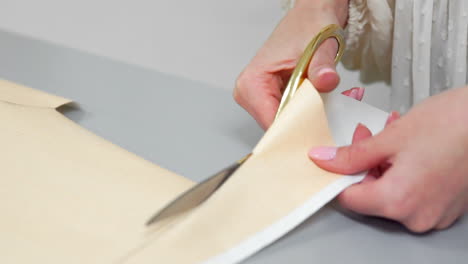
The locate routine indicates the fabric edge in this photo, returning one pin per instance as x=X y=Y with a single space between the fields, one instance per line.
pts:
x=14 y=93
x=284 y=225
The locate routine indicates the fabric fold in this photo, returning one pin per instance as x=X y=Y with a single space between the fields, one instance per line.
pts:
x=68 y=196
x=273 y=192
x=19 y=94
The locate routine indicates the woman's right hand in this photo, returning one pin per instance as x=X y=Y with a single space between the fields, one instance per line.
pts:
x=259 y=86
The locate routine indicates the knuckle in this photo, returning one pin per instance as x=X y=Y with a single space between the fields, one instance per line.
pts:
x=237 y=96
x=239 y=89
x=446 y=223
x=420 y=224
x=443 y=226
x=240 y=81
x=396 y=211
x=350 y=155
x=424 y=220
x=400 y=206
x=355 y=150
x=331 y=46
x=328 y=48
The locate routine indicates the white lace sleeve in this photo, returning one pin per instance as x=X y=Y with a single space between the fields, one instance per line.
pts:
x=369 y=35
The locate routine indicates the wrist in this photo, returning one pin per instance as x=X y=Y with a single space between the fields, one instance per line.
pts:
x=336 y=8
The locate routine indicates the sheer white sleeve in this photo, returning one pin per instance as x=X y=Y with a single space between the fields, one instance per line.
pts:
x=369 y=35
x=429 y=49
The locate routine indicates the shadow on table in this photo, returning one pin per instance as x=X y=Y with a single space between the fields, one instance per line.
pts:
x=72 y=111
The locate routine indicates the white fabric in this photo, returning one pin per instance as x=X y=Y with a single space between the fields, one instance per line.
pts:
x=278 y=229
x=430 y=49
x=429 y=52
x=368 y=32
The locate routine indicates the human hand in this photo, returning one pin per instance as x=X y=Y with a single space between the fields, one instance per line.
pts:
x=259 y=86
x=418 y=165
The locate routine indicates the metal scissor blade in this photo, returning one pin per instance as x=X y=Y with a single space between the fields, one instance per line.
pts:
x=195 y=195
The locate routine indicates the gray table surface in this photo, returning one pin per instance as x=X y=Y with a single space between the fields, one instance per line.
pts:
x=194 y=130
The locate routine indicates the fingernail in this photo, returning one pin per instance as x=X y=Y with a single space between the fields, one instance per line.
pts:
x=325 y=73
x=389 y=119
x=354 y=94
x=325 y=79
x=360 y=93
x=392 y=117
x=347 y=92
x=323 y=153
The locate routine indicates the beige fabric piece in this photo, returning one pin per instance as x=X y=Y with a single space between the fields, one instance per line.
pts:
x=68 y=196
x=22 y=95
x=277 y=179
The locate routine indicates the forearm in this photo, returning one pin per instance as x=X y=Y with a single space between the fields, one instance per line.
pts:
x=338 y=8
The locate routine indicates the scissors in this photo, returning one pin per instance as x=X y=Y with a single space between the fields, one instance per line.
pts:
x=203 y=190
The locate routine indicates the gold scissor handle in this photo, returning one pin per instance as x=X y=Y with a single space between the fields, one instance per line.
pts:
x=298 y=75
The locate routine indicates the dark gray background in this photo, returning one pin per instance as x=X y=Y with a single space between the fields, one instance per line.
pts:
x=194 y=130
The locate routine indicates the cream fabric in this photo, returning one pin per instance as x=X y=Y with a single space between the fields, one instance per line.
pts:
x=68 y=196
x=277 y=179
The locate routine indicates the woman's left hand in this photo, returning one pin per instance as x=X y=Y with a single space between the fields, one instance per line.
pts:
x=422 y=180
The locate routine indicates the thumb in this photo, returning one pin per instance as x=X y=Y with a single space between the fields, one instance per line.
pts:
x=364 y=197
x=358 y=157
x=322 y=69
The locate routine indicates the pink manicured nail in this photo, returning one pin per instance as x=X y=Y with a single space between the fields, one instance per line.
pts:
x=325 y=71
x=360 y=93
x=347 y=92
x=392 y=117
x=389 y=119
x=354 y=94
x=323 y=153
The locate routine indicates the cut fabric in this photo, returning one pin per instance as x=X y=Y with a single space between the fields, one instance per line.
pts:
x=68 y=196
